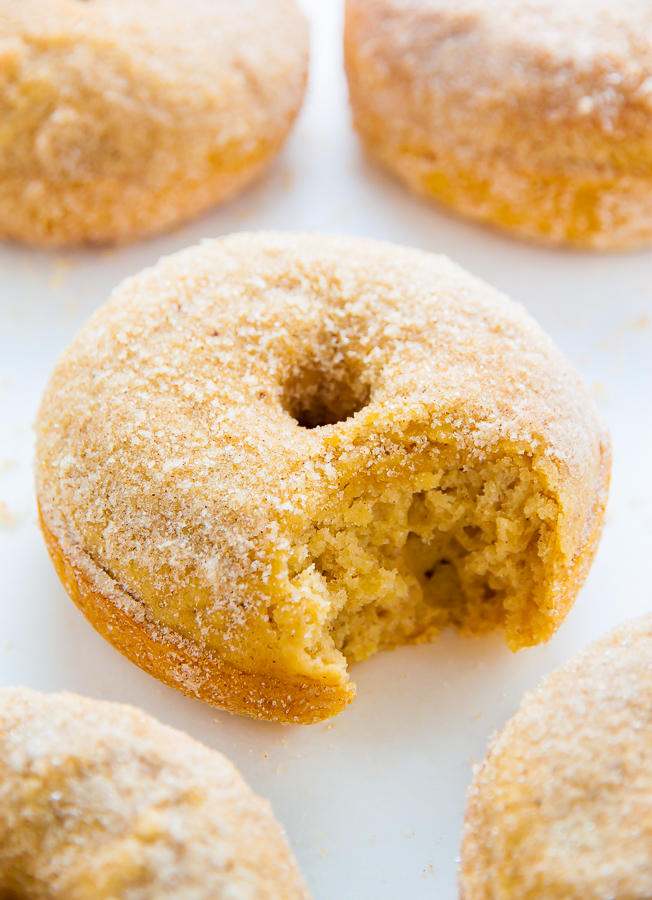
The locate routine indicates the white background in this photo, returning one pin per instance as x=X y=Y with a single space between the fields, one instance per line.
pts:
x=372 y=801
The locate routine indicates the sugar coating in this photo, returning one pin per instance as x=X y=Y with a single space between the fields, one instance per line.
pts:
x=561 y=807
x=535 y=115
x=99 y=801
x=124 y=117
x=292 y=451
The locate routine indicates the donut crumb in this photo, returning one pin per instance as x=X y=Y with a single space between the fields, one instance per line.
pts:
x=417 y=547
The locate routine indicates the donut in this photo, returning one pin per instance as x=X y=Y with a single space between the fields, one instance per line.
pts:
x=122 y=118
x=273 y=454
x=561 y=807
x=99 y=801
x=531 y=115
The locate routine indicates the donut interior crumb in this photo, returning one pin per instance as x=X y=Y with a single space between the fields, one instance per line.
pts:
x=425 y=541
x=424 y=537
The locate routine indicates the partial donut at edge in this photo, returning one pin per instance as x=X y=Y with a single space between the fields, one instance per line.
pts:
x=560 y=807
x=99 y=800
x=533 y=117
x=123 y=118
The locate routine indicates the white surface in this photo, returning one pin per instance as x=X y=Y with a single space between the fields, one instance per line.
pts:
x=372 y=801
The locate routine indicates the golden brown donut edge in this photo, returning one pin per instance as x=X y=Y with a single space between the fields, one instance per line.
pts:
x=192 y=671
x=204 y=676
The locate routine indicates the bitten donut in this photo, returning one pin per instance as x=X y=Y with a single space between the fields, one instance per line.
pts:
x=273 y=454
x=532 y=115
x=561 y=807
x=121 y=118
x=99 y=801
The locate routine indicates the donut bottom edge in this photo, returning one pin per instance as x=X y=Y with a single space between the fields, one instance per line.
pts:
x=578 y=207
x=205 y=676
x=108 y=212
x=201 y=675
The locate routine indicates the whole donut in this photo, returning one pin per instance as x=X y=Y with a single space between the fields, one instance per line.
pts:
x=561 y=807
x=271 y=454
x=532 y=116
x=100 y=801
x=120 y=118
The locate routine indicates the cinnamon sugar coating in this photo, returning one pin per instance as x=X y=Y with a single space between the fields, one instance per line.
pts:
x=533 y=115
x=124 y=117
x=273 y=454
x=99 y=801
x=561 y=807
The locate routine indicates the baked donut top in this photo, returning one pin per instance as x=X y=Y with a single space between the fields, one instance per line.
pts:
x=225 y=399
x=144 y=78
x=98 y=800
x=561 y=807
x=508 y=63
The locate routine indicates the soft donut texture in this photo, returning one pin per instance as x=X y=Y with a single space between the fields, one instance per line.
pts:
x=99 y=801
x=273 y=454
x=119 y=118
x=533 y=115
x=561 y=807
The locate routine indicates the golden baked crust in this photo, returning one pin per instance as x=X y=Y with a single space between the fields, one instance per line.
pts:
x=99 y=801
x=561 y=807
x=536 y=117
x=124 y=117
x=276 y=453
x=193 y=670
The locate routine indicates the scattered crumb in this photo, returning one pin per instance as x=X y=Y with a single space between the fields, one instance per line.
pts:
x=8 y=519
x=7 y=465
x=600 y=392
x=638 y=324
x=615 y=343
x=60 y=269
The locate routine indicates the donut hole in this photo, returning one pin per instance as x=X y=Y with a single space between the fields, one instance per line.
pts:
x=416 y=547
x=324 y=392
